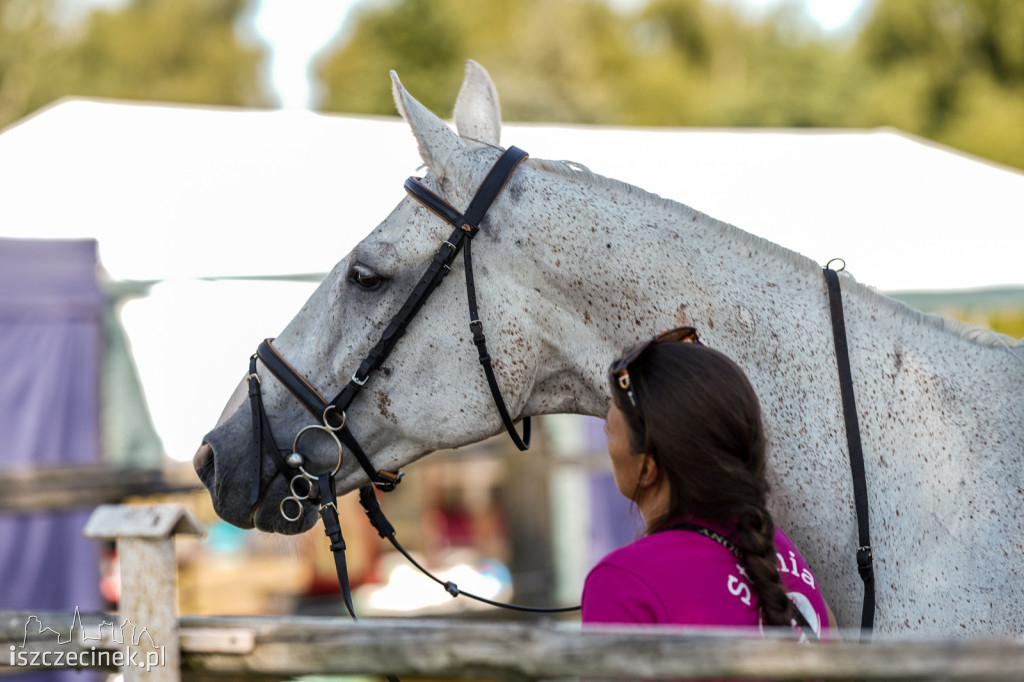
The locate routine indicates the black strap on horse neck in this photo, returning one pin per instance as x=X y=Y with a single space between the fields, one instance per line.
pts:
x=865 y=558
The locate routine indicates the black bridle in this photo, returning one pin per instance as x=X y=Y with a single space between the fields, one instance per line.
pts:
x=331 y=415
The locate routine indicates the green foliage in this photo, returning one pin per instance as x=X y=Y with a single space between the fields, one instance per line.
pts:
x=29 y=49
x=1009 y=322
x=173 y=50
x=951 y=70
x=168 y=50
x=543 y=76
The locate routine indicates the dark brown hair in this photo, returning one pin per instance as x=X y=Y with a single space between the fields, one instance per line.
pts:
x=702 y=426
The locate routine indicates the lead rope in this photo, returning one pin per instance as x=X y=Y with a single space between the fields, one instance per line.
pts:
x=865 y=558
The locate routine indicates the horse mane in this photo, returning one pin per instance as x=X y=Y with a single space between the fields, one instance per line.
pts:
x=972 y=333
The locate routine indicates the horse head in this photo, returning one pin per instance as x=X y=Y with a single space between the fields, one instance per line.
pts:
x=429 y=393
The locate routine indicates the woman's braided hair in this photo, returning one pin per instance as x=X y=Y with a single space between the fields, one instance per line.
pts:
x=702 y=426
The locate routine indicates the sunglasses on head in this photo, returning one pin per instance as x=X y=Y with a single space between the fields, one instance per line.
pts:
x=620 y=369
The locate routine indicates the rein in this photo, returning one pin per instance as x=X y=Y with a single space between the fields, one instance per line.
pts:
x=865 y=558
x=331 y=415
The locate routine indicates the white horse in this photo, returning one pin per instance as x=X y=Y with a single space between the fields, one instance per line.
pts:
x=572 y=268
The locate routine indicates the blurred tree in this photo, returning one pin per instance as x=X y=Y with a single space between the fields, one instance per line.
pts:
x=546 y=73
x=30 y=44
x=669 y=62
x=951 y=70
x=169 y=50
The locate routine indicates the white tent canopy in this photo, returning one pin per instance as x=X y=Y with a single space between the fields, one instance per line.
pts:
x=177 y=193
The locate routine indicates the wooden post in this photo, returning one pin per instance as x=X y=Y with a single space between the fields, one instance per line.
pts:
x=148 y=633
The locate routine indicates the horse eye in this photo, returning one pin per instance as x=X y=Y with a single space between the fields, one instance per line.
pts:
x=364 y=277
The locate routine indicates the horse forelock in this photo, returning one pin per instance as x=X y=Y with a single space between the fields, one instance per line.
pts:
x=982 y=336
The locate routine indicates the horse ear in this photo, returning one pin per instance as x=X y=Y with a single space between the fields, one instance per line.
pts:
x=439 y=145
x=477 y=109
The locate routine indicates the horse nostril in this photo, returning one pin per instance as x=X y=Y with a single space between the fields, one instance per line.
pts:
x=202 y=457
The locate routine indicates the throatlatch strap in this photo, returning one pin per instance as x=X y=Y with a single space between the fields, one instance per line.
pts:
x=477 y=328
x=865 y=558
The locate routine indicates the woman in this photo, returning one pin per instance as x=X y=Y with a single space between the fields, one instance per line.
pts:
x=687 y=446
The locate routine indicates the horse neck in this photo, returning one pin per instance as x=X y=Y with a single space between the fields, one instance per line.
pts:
x=624 y=264
x=637 y=264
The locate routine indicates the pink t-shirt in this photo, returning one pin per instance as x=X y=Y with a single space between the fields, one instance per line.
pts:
x=679 y=577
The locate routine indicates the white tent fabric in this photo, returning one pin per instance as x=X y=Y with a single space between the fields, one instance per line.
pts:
x=177 y=193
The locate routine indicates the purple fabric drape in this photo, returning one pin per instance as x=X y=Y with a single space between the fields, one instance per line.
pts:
x=51 y=349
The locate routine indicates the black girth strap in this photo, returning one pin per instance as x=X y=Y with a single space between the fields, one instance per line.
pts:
x=860 y=492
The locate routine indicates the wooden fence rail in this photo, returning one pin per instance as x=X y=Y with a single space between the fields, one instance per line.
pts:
x=291 y=646
x=166 y=644
x=33 y=490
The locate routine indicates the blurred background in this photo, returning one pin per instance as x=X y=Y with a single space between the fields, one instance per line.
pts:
x=177 y=175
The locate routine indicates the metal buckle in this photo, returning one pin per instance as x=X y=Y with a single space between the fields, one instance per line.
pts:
x=388 y=486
